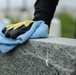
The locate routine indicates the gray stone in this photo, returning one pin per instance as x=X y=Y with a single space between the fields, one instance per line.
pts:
x=50 y=56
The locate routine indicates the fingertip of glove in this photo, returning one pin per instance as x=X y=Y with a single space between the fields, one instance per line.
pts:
x=14 y=34
x=7 y=34
x=3 y=30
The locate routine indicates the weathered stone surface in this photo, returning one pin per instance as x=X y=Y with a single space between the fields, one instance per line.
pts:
x=51 y=56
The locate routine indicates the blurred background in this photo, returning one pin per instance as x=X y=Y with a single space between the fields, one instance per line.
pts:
x=63 y=23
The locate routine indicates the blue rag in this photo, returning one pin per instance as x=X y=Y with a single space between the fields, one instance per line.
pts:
x=38 y=30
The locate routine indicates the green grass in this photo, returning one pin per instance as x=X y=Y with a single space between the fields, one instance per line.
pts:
x=67 y=25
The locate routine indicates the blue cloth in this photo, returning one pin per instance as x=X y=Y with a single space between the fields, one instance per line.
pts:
x=38 y=30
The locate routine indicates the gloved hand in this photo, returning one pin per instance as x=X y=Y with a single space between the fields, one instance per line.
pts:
x=14 y=30
x=37 y=30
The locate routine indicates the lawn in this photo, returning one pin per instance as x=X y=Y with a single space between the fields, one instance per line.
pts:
x=68 y=26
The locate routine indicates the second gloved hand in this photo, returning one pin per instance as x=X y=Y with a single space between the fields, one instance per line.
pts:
x=14 y=30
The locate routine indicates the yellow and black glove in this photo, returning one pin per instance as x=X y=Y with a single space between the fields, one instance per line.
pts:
x=14 y=30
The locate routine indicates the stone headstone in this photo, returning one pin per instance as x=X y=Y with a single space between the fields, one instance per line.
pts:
x=50 y=56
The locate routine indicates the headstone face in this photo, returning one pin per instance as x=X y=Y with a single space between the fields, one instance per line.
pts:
x=55 y=29
x=39 y=57
x=24 y=64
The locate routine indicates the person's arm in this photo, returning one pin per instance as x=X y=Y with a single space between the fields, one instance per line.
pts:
x=44 y=10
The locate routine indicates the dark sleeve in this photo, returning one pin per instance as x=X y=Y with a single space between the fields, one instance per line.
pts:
x=44 y=10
